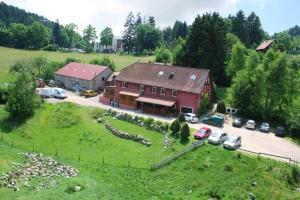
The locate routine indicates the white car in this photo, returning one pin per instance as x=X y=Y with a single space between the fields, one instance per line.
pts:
x=264 y=127
x=217 y=137
x=250 y=124
x=233 y=142
x=191 y=117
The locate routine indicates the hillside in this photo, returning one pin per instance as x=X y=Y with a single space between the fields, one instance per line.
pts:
x=9 y=56
x=11 y=14
x=112 y=168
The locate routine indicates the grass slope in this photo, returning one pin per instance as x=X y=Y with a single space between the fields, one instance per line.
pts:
x=205 y=172
x=9 y=56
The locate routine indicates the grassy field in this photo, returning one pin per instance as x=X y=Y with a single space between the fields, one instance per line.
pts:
x=69 y=130
x=9 y=56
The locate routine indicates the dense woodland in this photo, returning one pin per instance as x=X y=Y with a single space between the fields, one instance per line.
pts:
x=264 y=86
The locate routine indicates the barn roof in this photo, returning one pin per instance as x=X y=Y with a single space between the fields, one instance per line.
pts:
x=173 y=77
x=81 y=70
x=265 y=45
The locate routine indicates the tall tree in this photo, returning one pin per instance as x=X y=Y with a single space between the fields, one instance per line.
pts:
x=19 y=35
x=180 y=29
x=239 y=26
x=56 y=34
x=106 y=37
x=70 y=30
x=254 y=30
x=129 y=33
x=139 y=19
x=90 y=34
x=151 y=21
x=38 y=35
x=167 y=35
x=147 y=37
x=237 y=60
x=205 y=47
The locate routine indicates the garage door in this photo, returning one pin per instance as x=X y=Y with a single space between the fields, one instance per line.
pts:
x=186 y=110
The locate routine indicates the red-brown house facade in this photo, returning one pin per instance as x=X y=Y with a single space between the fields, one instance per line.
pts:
x=160 y=89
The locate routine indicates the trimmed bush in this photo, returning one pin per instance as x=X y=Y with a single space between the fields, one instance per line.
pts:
x=97 y=113
x=181 y=118
x=221 y=108
x=185 y=133
x=204 y=106
x=175 y=127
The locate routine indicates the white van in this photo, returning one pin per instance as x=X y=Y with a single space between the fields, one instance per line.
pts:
x=53 y=92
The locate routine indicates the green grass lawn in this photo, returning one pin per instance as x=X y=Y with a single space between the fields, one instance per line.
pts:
x=9 y=56
x=125 y=174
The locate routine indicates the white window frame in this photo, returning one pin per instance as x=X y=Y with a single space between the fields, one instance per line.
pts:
x=124 y=84
x=153 y=90
x=172 y=94
x=142 y=88
x=162 y=89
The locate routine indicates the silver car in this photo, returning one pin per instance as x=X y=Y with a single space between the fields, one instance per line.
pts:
x=217 y=137
x=264 y=127
x=233 y=142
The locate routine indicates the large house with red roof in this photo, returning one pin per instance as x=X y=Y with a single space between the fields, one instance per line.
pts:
x=159 y=89
x=76 y=76
x=265 y=45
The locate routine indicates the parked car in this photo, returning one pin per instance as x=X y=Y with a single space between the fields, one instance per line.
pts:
x=53 y=92
x=237 y=122
x=250 y=124
x=217 y=137
x=88 y=93
x=202 y=133
x=233 y=142
x=216 y=120
x=264 y=127
x=280 y=131
x=191 y=117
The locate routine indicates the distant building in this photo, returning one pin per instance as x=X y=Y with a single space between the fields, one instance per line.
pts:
x=263 y=47
x=76 y=76
x=159 y=89
x=117 y=45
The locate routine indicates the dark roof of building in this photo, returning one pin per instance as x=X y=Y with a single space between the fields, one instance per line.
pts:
x=81 y=71
x=265 y=45
x=173 y=77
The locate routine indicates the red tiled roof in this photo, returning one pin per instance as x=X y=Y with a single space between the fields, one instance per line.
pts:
x=156 y=101
x=185 y=78
x=263 y=46
x=81 y=71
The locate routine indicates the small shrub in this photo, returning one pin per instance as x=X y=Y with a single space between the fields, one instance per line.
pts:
x=181 y=118
x=228 y=168
x=97 y=113
x=293 y=177
x=68 y=60
x=175 y=127
x=204 y=106
x=221 y=108
x=74 y=188
x=185 y=133
x=239 y=155
x=106 y=61
x=50 y=47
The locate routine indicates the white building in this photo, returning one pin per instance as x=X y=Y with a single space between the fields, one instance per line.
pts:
x=116 y=45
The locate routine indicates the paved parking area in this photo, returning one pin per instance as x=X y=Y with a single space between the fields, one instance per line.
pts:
x=251 y=140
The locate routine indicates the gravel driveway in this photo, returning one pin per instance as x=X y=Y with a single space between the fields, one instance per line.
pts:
x=251 y=140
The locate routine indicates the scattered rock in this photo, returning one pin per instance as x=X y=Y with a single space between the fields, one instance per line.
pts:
x=35 y=166
x=77 y=188
x=251 y=196
x=296 y=189
x=254 y=183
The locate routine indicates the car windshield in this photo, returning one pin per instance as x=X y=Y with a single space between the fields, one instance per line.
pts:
x=216 y=134
x=265 y=124
x=201 y=131
x=232 y=139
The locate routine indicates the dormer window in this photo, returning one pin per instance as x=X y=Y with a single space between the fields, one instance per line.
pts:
x=171 y=76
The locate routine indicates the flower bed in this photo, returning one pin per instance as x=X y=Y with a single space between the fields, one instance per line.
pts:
x=124 y=135
x=148 y=123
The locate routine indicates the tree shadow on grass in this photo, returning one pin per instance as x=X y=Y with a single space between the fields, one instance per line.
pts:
x=184 y=141
x=9 y=123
